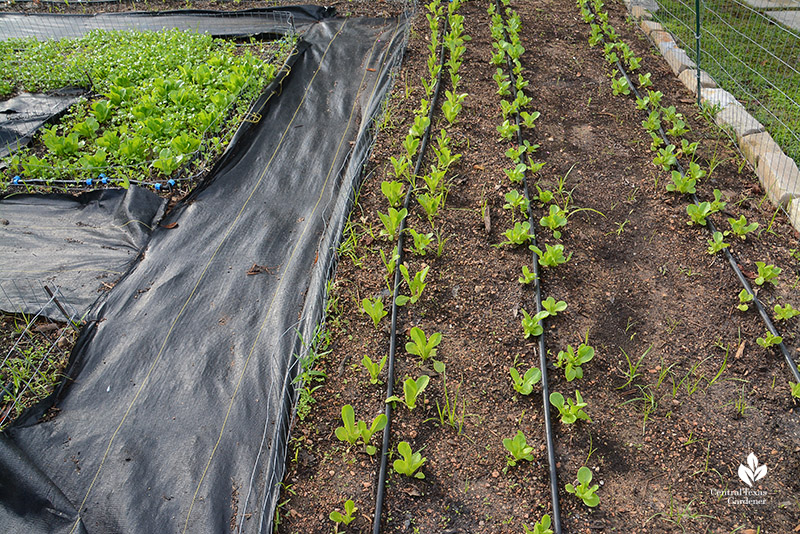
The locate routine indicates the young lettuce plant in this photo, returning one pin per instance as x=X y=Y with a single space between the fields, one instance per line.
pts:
x=784 y=313
x=767 y=273
x=553 y=307
x=588 y=494
x=744 y=298
x=516 y=201
x=769 y=340
x=717 y=243
x=540 y=527
x=351 y=431
x=421 y=241
x=416 y=285
x=524 y=384
x=519 y=235
x=410 y=462
x=552 y=256
x=527 y=276
x=531 y=326
x=794 y=389
x=571 y=360
x=570 y=410
x=519 y=449
x=391 y=222
x=422 y=346
x=375 y=310
x=374 y=369
x=555 y=220
x=740 y=228
x=393 y=191
x=350 y=509
x=411 y=390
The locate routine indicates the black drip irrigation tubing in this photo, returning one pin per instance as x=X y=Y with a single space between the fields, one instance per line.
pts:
x=548 y=426
x=387 y=431
x=728 y=254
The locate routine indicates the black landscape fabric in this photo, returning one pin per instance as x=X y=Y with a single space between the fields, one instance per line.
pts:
x=25 y=113
x=81 y=245
x=177 y=415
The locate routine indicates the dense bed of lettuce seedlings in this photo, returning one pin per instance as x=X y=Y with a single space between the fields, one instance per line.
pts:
x=156 y=102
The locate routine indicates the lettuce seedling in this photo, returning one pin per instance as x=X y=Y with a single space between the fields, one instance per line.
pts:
x=767 y=273
x=744 y=298
x=653 y=122
x=529 y=119
x=557 y=219
x=524 y=384
x=431 y=204
x=570 y=411
x=400 y=166
x=740 y=228
x=391 y=222
x=687 y=148
x=390 y=262
x=519 y=449
x=666 y=158
x=352 y=431
x=620 y=86
x=795 y=390
x=678 y=128
x=517 y=173
x=518 y=235
x=540 y=527
x=393 y=191
x=452 y=106
x=644 y=81
x=348 y=517
x=527 y=276
x=682 y=183
x=421 y=345
x=410 y=461
x=698 y=213
x=554 y=307
x=374 y=369
x=716 y=243
x=516 y=201
x=545 y=195
x=571 y=360
x=552 y=257
x=375 y=310
x=411 y=390
x=416 y=285
x=583 y=490
x=444 y=155
x=421 y=241
x=531 y=325
x=769 y=340
x=784 y=313
x=507 y=129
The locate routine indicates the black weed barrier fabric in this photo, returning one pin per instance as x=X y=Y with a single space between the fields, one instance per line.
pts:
x=81 y=245
x=177 y=414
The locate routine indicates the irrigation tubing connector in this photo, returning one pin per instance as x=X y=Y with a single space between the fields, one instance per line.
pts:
x=728 y=254
x=387 y=431
x=548 y=425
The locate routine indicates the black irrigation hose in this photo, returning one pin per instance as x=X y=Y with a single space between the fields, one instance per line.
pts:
x=548 y=427
x=387 y=431
x=728 y=254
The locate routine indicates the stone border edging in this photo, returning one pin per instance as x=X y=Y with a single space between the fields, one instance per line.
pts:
x=777 y=172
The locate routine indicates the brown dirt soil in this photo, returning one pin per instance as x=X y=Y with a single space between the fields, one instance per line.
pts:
x=640 y=282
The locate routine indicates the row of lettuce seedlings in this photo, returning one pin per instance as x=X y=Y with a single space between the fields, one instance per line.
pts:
x=668 y=129
x=429 y=189
x=557 y=206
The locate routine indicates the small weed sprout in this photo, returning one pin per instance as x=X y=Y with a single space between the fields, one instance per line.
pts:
x=585 y=492
x=410 y=462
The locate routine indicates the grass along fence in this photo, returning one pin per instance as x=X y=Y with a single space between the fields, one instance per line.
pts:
x=751 y=48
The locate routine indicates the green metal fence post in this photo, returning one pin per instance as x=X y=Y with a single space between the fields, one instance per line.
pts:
x=697 y=45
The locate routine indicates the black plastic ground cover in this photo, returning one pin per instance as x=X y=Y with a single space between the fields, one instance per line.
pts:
x=228 y=24
x=178 y=415
x=25 y=113
x=77 y=244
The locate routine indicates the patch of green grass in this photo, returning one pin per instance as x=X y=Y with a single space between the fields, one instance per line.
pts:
x=748 y=55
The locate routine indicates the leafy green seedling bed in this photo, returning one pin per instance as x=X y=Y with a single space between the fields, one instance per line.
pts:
x=160 y=105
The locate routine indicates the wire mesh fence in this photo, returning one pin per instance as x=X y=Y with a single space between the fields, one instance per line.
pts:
x=34 y=347
x=751 y=49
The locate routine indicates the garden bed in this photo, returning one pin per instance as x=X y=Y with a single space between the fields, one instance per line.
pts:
x=679 y=390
